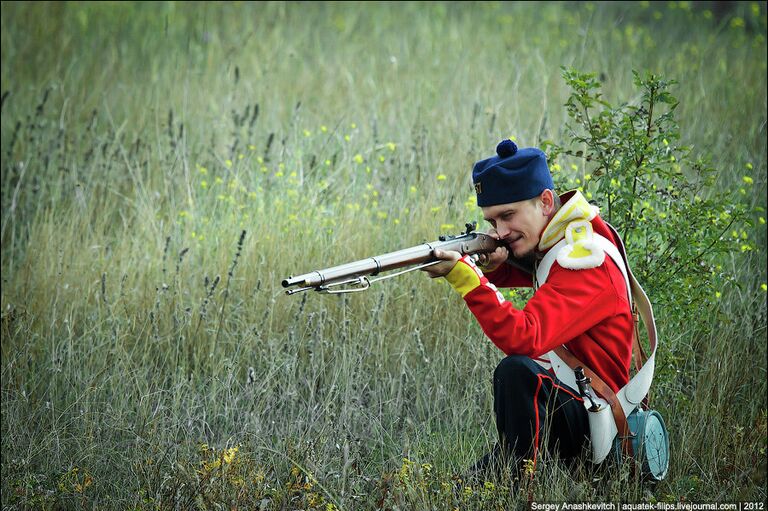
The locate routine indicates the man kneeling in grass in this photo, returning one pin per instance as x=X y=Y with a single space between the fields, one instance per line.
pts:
x=583 y=305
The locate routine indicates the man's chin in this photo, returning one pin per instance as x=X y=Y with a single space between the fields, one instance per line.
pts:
x=523 y=253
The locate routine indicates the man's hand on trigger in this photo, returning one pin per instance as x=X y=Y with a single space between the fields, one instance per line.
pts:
x=444 y=267
x=489 y=262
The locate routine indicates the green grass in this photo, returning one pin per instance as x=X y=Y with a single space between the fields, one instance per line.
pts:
x=125 y=193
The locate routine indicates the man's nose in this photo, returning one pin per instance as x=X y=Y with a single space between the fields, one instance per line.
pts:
x=502 y=231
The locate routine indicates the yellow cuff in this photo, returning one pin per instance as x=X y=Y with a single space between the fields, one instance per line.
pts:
x=463 y=278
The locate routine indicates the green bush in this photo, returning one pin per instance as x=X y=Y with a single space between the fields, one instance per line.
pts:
x=677 y=226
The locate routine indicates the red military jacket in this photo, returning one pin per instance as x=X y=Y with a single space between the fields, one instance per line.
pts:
x=587 y=310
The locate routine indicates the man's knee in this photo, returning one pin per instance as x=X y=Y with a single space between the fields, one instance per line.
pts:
x=515 y=369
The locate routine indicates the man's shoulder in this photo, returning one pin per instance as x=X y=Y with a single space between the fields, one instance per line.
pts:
x=583 y=248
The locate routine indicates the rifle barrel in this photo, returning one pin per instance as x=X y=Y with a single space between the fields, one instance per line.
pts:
x=472 y=243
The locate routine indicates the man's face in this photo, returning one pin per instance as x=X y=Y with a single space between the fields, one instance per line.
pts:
x=520 y=224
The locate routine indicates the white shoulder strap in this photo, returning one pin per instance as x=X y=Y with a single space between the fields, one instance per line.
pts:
x=544 y=267
x=602 y=427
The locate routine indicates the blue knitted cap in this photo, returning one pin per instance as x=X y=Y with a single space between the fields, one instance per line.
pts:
x=511 y=175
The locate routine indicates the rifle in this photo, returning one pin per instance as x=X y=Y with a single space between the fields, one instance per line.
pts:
x=353 y=277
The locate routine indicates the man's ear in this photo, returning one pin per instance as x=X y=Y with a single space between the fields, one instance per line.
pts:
x=547 y=199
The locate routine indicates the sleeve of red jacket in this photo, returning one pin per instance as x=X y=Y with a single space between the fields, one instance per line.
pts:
x=567 y=305
x=507 y=275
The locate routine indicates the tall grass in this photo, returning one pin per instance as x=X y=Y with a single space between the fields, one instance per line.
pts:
x=145 y=337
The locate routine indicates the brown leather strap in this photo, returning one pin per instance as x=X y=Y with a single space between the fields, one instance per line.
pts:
x=606 y=393
x=638 y=354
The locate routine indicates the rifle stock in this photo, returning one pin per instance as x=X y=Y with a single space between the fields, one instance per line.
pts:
x=356 y=273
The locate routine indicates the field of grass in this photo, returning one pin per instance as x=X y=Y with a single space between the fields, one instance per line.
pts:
x=165 y=165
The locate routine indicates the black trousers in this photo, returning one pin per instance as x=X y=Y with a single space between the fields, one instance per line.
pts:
x=535 y=411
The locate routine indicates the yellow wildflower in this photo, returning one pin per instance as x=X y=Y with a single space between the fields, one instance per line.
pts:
x=229 y=454
x=441 y=177
x=358 y=158
x=747 y=180
x=529 y=466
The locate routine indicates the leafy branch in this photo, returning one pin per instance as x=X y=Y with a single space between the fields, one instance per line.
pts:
x=655 y=191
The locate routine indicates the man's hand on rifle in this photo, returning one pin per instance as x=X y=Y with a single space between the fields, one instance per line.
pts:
x=489 y=262
x=486 y=262
x=444 y=267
